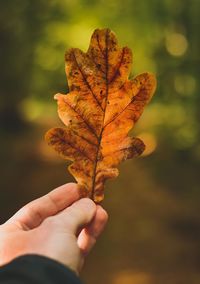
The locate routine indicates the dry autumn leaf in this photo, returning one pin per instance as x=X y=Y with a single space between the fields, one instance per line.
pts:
x=99 y=111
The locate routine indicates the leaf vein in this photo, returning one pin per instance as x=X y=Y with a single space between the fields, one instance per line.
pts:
x=79 y=150
x=82 y=117
x=116 y=116
x=117 y=67
x=86 y=82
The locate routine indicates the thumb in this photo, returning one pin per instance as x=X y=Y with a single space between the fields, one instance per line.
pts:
x=77 y=216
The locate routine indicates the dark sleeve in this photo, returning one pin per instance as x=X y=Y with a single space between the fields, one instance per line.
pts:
x=35 y=269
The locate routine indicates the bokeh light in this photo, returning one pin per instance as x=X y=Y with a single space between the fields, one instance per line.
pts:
x=176 y=44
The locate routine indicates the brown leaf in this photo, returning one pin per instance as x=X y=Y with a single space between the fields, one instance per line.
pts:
x=101 y=108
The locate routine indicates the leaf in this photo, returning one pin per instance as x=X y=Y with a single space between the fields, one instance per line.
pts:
x=100 y=110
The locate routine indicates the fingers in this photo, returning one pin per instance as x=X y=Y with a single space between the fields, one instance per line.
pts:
x=77 y=216
x=89 y=235
x=35 y=212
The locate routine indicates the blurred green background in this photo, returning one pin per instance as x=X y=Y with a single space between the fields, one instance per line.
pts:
x=153 y=234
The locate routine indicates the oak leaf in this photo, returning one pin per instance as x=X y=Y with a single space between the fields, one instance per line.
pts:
x=99 y=111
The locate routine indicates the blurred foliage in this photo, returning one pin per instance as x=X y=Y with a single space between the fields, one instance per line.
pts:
x=154 y=230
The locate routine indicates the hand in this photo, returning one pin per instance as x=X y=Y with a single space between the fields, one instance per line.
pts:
x=58 y=225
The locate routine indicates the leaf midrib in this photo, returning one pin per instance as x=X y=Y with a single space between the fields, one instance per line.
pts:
x=101 y=133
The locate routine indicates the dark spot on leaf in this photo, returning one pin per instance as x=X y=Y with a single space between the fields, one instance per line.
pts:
x=75 y=87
